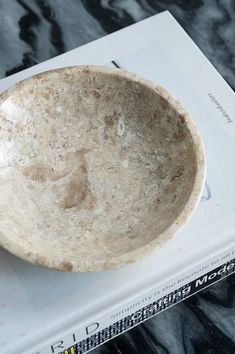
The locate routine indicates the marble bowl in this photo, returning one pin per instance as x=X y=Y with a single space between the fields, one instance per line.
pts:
x=98 y=168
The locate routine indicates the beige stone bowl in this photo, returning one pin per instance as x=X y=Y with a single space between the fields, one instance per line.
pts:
x=98 y=168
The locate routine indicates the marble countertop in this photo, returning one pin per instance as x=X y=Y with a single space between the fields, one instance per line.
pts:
x=35 y=30
x=32 y=31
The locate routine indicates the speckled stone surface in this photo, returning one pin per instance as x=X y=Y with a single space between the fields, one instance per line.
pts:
x=98 y=168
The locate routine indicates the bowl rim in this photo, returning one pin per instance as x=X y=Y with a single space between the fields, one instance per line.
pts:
x=83 y=265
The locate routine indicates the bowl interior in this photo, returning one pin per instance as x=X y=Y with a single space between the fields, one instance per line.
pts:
x=93 y=165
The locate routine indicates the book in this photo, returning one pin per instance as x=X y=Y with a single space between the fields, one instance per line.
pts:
x=43 y=311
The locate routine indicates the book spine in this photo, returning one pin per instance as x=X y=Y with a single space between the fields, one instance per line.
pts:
x=152 y=309
x=153 y=302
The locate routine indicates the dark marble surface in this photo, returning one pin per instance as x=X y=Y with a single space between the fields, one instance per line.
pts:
x=32 y=31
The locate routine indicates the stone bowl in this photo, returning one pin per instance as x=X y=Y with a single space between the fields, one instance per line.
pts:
x=98 y=168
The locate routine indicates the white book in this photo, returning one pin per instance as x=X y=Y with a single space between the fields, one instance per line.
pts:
x=47 y=312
